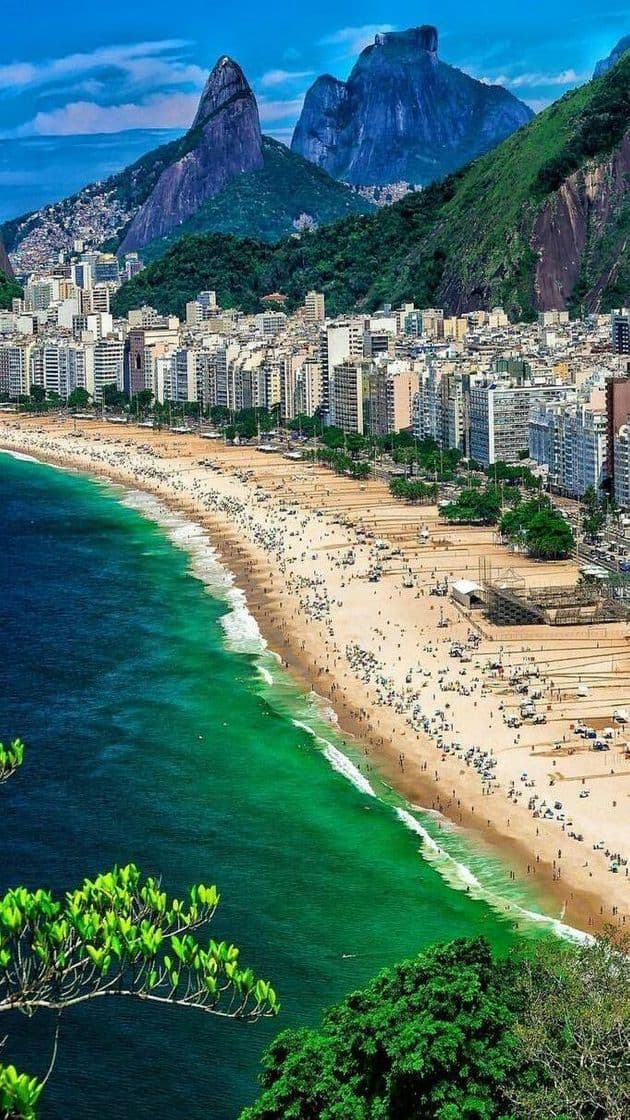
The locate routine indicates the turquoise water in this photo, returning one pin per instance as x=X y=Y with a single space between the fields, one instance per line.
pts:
x=150 y=738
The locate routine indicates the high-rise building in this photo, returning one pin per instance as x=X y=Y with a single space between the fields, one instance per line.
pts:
x=499 y=419
x=620 y=327
x=621 y=461
x=341 y=341
x=571 y=440
x=618 y=414
x=346 y=397
x=108 y=365
x=389 y=392
x=315 y=307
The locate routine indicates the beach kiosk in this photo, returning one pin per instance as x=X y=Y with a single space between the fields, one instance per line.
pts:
x=467 y=593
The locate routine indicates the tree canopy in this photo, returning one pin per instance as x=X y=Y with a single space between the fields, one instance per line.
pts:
x=539 y=529
x=460 y=1034
x=475 y=506
x=11 y=759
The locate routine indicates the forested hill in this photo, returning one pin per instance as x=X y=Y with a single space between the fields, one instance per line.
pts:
x=541 y=221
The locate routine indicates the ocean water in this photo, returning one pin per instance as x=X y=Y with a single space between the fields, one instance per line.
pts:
x=158 y=731
x=69 y=163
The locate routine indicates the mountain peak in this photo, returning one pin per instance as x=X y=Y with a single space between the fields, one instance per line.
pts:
x=403 y=115
x=225 y=82
x=224 y=140
x=424 y=38
x=606 y=64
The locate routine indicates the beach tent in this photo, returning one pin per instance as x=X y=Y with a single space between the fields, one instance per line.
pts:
x=467 y=593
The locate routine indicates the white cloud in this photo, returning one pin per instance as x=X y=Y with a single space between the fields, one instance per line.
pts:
x=279 y=110
x=161 y=110
x=354 y=39
x=140 y=63
x=535 y=80
x=274 y=78
x=564 y=78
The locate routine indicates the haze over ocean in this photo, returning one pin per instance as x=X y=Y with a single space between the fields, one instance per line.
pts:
x=150 y=740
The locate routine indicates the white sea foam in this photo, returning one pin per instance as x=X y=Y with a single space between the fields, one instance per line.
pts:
x=339 y=761
x=458 y=876
x=239 y=625
x=416 y=827
x=18 y=455
x=265 y=674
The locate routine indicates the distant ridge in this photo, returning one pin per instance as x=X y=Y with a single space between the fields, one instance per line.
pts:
x=5 y=263
x=403 y=115
x=184 y=186
x=616 y=53
x=542 y=221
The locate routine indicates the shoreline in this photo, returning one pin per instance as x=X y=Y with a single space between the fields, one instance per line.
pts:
x=567 y=901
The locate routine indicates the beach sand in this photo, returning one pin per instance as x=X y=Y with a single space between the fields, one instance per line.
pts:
x=380 y=652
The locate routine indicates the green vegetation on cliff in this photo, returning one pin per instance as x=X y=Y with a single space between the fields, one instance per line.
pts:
x=268 y=204
x=462 y=243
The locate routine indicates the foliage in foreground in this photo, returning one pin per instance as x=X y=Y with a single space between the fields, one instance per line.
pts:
x=117 y=935
x=459 y=1035
x=11 y=759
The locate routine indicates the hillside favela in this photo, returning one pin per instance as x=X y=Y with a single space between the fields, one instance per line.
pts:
x=315 y=558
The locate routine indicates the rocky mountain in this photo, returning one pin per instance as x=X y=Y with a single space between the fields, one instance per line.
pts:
x=613 y=58
x=403 y=114
x=5 y=263
x=184 y=186
x=224 y=140
x=542 y=221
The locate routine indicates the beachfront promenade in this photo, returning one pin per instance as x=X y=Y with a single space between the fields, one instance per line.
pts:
x=303 y=544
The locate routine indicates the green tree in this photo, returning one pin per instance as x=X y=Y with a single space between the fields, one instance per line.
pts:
x=475 y=506
x=79 y=398
x=144 y=399
x=574 y=1032
x=431 y=1038
x=38 y=394
x=457 y=1034
x=594 y=514
x=539 y=529
x=113 y=397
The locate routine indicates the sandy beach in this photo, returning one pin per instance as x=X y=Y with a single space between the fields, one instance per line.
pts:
x=301 y=542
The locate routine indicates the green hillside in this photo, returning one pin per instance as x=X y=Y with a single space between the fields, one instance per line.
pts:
x=462 y=243
x=265 y=204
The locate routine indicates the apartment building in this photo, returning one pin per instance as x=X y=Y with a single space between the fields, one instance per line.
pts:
x=571 y=439
x=499 y=419
x=315 y=307
x=341 y=342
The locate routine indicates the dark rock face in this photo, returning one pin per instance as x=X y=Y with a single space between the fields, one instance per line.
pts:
x=224 y=141
x=403 y=115
x=581 y=231
x=606 y=64
x=5 y=263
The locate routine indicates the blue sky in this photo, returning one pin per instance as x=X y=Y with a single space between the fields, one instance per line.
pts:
x=75 y=68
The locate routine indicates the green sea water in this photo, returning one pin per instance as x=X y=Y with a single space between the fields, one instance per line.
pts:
x=159 y=730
